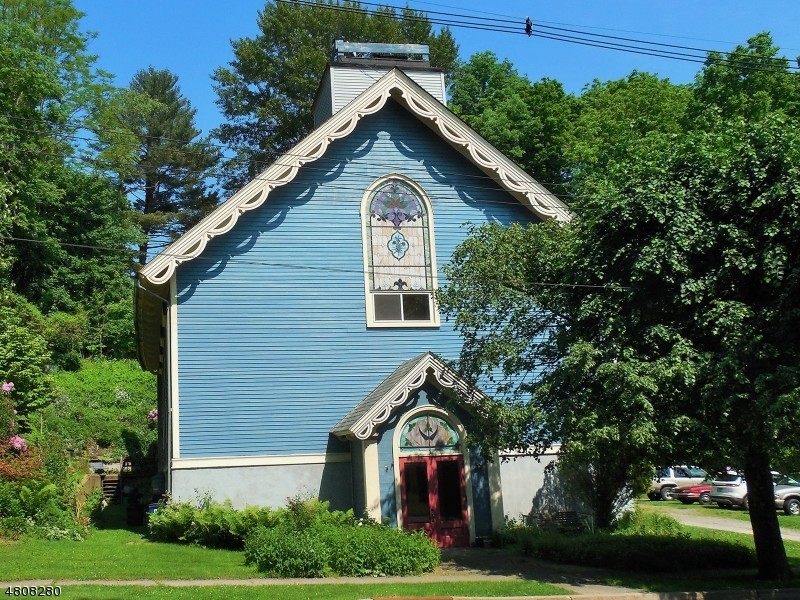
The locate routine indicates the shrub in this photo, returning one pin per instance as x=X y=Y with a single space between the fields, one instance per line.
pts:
x=639 y=522
x=171 y=522
x=36 y=507
x=509 y=534
x=210 y=524
x=287 y=552
x=103 y=405
x=359 y=551
x=657 y=553
x=305 y=539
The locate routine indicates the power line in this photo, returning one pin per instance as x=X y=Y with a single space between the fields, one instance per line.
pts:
x=414 y=171
x=515 y=19
x=417 y=169
x=306 y=267
x=466 y=21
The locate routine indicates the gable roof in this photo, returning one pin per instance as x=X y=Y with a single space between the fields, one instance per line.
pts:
x=399 y=87
x=151 y=289
x=379 y=405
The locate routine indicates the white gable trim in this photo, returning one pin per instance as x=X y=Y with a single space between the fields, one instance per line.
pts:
x=394 y=84
x=445 y=377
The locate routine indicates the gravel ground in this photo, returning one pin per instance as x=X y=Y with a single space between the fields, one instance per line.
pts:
x=711 y=522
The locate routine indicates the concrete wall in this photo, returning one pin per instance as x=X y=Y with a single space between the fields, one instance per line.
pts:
x=528 y=486
x=267 y=485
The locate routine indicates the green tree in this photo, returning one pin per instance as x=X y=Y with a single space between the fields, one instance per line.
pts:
x=24 y=358
x=48 y=89
x=662 y=318
x=148 y=134
x=529 y=122
x=615 y=120
x=267 y=93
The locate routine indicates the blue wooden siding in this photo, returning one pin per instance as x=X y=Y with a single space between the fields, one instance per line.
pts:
x=273 y=344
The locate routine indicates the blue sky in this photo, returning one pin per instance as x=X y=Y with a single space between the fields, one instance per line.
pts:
x=191 y=38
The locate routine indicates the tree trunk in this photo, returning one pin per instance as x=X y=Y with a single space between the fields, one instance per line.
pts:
x=770 y=552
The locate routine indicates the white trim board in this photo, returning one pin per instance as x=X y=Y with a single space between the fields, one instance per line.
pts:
x=260 y=461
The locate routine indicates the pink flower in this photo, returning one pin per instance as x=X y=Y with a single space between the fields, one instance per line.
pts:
x=18 y=443
x=153 y=415
x=7 y=387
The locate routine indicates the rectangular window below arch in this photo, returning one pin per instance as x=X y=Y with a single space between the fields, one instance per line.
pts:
x=403 y=306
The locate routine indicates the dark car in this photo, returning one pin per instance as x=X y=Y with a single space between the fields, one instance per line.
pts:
x=698 y=492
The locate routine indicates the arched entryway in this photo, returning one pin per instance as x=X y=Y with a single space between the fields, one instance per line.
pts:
x=433 y=491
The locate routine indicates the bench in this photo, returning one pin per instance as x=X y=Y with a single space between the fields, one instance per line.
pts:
x=567 y=520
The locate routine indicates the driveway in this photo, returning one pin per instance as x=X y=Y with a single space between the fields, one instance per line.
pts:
x=689 y=517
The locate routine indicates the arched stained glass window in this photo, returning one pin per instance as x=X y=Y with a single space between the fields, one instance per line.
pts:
x=428 y=432
x=400 y=269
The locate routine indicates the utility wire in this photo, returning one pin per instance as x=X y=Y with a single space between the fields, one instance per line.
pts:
x=514 y=25
x=594 y=40
x=306 y=267
x=418 y=169
x=515 y=19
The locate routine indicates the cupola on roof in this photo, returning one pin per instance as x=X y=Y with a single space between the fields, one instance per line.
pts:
x=356 y=66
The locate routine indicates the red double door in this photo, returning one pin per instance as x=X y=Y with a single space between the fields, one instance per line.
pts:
x=434 y=498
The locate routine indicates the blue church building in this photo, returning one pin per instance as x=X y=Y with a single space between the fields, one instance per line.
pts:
x=294 y=331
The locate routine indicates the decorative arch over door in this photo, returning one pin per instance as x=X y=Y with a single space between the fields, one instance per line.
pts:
x=433 y=483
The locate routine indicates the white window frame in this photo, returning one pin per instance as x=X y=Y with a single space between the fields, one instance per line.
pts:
x=369 y=294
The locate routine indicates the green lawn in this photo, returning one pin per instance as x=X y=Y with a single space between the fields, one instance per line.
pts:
x=321 y=591
x=117 y=554
x=716 y=581
x=126 y=555
x=713 y=510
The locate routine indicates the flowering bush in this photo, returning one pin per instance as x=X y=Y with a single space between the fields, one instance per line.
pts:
x=17 y=460
x=17 y=442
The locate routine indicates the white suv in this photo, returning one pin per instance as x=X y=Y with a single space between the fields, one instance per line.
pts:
x=668 y=478
x=730 y=489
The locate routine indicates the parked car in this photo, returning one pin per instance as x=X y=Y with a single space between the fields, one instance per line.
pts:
x=699 y=492
x=669 y=478
x=730 y=489
x=787 y=494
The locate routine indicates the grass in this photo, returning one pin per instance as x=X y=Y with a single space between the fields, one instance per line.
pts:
x=126 y=554
x=785 y=521
x=721 y=580
x=117 y=554
x=309 y=592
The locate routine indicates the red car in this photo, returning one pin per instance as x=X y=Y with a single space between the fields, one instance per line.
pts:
x=699 y=492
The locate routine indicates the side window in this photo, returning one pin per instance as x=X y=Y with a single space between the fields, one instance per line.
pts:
x=681 y=472
x=399 y=259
